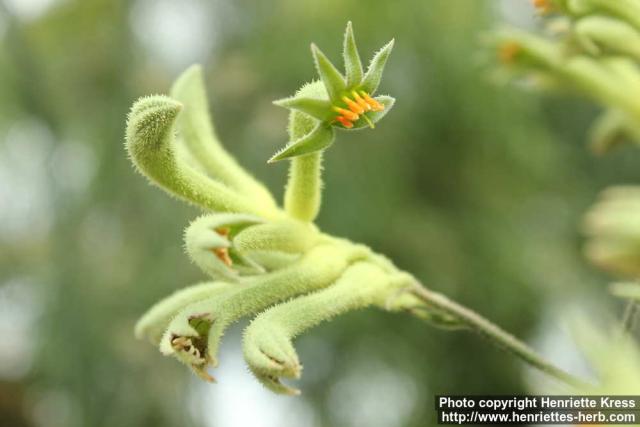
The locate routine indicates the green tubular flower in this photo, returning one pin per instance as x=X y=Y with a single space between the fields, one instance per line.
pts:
x=196 y=132
x=277 y=244
x=208 y=243
x=602 y=34
x=154 y=322
x=228 y=246
x=627 y=10
x=193 y=335
x=150 y=141
x=267 y=344
x=337 y=101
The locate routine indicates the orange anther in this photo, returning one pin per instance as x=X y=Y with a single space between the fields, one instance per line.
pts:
x=361 y=102
x=375 y=105
x=223 y=231
x=346 y=123
x=353 y=106
x=223 y=253
x=349 y=115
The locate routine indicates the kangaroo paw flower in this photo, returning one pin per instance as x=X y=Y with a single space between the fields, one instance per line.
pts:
x=154 y=322
x=196 y=132
x=150 y=141
x=338 y=101
x=201 y=325
x=209 y=243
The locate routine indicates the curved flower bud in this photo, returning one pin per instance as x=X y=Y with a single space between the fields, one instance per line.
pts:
x=598 y=34
x=613 y=229
x=526 y=52
x=208 y=243
x=267 y=344
x=154 y=322
x=232 y=245
x=194 y=334
x=196 y=131
x=279 y=237
x=627 y=10
x=337 y=101
x=150 y=143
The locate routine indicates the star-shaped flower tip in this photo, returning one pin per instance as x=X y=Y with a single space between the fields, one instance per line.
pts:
x=337 y=100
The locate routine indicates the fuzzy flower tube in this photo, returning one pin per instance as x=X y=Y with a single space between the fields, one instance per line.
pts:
x=271 y=262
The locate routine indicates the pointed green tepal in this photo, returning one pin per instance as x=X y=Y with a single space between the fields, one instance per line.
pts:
x=352 y=64
x=317 y=108
x=318 y=139
x=331 y=77
x=372 y=79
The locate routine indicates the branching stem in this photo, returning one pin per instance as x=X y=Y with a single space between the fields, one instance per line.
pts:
x=304 y=189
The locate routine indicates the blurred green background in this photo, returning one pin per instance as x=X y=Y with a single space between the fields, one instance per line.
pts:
x=478 y=189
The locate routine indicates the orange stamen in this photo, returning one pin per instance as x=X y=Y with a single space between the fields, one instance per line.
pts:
x=223 y=253
x=361 y=102
x=345 y=122
x=375 y=105
x=349 y=115
x=508 y=52
x=353 y=106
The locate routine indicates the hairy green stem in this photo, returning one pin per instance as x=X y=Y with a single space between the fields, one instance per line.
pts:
x=303 y=194
x=497 y=335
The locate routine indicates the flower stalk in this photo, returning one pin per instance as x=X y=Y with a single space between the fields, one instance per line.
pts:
x=496 y=335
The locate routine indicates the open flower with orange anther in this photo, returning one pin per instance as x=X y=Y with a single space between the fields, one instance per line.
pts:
x=337 y=100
